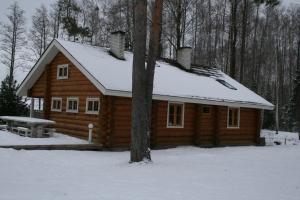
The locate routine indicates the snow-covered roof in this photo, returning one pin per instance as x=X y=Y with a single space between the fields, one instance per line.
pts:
x=114 y=77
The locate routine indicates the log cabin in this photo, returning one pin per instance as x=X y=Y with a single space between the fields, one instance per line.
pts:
x=192 y=105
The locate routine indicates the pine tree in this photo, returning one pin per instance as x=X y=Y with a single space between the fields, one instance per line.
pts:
x=10 y=103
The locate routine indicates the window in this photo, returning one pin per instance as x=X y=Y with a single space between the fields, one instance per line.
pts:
x=92 y=105
x=56 y=104
x=223 y=82
x=233 y=118
x=206 y=110
x=175 y=115
x=72 y=104
x=62 y=72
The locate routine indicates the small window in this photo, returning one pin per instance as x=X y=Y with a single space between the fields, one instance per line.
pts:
x=92 y=105
x=206 y=110
x=226 y=84
x=72 y=104
x=56 y=104
x=62 y=71
x=233 y=118
x=175 y=115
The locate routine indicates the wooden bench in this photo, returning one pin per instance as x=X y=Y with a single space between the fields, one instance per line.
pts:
x=22 y=131
x=14 y=130
x=3 y=127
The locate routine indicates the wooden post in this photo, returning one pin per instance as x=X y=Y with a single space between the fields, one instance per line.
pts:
x=47 y=94
x=110 y=119
x=216 y=124
x=32 y=107
x=153 y=137
x=260 y=117
x=197 y=130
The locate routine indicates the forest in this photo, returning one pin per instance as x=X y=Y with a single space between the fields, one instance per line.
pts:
x=257 y=42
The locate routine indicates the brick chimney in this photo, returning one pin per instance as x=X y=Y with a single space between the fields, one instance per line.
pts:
x=184 y=57
x=117 y=44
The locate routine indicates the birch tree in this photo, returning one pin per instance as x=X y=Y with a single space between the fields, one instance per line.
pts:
x=40 y=31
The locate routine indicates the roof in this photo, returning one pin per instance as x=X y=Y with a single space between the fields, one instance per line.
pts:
x=114 y=77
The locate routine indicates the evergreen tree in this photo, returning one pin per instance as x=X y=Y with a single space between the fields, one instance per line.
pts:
x=10 y=103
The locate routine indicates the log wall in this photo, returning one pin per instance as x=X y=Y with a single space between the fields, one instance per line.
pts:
x=77 y=85
x=113 y=124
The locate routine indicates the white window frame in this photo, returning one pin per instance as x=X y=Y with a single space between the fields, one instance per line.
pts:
x=56 y=99
x=239 y=118
x=93 y=99
x=72 y=99
x=168 y=112
x=62 y=67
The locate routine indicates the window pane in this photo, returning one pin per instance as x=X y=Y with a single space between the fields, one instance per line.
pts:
x=70 y=105
x=74 y=105
x=90 y=106
x=230 y=117
x=60 y=71
x=57 y=104
x=65 y=71
x=171 y=115
x=235 y=123
x=179 y=115
x=96 y=105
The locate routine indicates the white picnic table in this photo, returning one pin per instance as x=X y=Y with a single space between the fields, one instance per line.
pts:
x=36 y=125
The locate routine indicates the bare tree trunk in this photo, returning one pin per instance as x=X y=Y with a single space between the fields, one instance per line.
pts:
x=209 y=34
x=298 y=56
x=254 y=50
x=224 y=64
x=233 y=37
x=178 y=24
x=243 y=42
x=153 y=54
x=277 y=91
x=139 y=125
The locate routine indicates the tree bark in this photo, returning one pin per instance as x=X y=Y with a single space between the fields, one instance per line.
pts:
x=243 y=42
x=140 y=150
x=152 y=57
x=233 y=39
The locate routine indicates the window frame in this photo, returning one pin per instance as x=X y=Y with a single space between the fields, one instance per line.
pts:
x=239 y=118
x=93 y=99
x=182 y=118
x=62 y=67
x=52 y=103
x=67 y=105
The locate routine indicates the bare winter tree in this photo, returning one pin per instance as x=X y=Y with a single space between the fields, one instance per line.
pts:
x=13 y=39
x=40 y=31
x=233 y=36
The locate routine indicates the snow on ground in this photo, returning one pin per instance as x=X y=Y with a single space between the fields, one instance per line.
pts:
x=7 y=138
x=283 y=138
x=232 y=173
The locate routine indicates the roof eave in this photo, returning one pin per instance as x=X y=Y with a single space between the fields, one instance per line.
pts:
x=206 y=101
